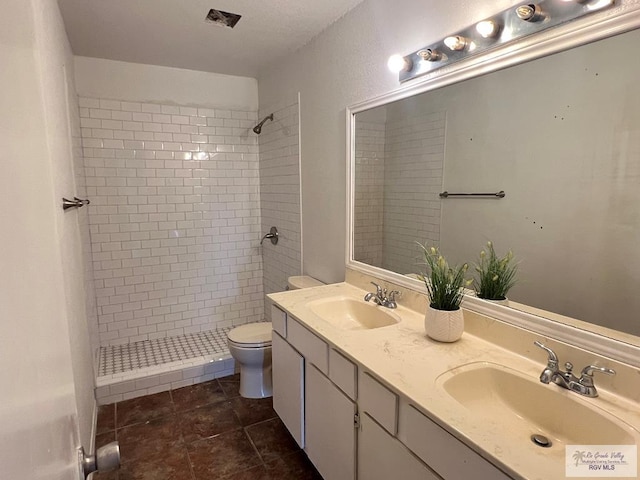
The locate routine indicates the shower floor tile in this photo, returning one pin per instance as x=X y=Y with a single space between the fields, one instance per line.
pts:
x=202 y=432
x=118 y=359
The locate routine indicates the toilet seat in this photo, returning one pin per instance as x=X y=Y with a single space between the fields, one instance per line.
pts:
x=251 y=335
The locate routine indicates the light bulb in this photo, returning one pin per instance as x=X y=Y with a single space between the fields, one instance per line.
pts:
x=598 y=4
x=455 y=43
x=398 y=63
x=430 y=55
x=530 y=13
x=487 y=28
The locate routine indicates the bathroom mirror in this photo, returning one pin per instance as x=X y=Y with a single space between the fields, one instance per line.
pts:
x=560 y=135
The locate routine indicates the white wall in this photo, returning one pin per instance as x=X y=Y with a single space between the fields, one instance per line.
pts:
x=45 y=364
x=344 y=65
x=62 y=123
x=134 y=82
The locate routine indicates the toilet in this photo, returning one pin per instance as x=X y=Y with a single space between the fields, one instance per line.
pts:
x=250 y=347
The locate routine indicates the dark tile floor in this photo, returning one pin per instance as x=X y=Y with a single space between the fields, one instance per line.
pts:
x=202 y=432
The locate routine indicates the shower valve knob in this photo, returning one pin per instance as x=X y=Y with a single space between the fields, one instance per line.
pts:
x=272 y=235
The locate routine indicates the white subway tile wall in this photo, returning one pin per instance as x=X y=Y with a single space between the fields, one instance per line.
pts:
x=369 y=192
x=174 y=218
x=280 y=195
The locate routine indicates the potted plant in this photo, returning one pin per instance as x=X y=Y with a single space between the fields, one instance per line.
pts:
x=445 y=288
x=495 y=275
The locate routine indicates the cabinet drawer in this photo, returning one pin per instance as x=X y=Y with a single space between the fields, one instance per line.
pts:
x=379 y=402
x=312 y=348
x=444 y=453
x=279 y=321
x=343 y=373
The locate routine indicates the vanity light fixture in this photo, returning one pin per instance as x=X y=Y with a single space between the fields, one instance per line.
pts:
x=487 y=28
x=398 y=63
x=504 y=27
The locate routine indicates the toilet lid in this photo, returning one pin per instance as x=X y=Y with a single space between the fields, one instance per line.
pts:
x=251 y=334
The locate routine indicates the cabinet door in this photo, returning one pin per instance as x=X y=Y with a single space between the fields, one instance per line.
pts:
x=382 y=457
x=329 y=427
x=288 y=386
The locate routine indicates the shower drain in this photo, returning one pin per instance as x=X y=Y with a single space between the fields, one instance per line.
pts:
x=540 y=440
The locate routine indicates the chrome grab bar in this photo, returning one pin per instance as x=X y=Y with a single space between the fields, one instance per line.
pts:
x=499 y=194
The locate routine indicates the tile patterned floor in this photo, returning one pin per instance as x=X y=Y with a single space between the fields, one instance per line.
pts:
x=202 y=432
x=149 y=353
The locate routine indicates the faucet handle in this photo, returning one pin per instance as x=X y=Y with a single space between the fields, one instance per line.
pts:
x=379 y=289
x=586 y=377
x=553 y=358
x=393 y=294
x=588 y=370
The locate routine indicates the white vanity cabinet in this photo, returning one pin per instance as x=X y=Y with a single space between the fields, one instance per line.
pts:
x=330 y=430
x=318 y=414
x=354 y=426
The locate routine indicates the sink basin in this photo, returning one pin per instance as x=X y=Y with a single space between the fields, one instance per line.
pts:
x=520 y=405
x=350 y=314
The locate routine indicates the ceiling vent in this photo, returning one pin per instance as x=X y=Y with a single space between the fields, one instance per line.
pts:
x=223 y=19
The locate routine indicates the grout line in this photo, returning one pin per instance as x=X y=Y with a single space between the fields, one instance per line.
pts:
x=193 y=473
x=262 y=421
x=244 y=429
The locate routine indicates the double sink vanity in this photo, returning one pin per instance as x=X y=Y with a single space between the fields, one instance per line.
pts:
x=368 y=396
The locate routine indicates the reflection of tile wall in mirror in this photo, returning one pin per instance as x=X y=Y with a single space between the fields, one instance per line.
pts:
x=561 y=136
x=368 y=201
x=414 y=157
x=398 y=166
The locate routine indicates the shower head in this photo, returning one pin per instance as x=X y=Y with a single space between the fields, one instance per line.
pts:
x=258 y=128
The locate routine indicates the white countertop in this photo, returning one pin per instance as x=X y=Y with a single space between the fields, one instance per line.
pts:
x=403 y=357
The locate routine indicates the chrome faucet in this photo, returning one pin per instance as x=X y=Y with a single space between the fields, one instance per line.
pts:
x=566 y=379
x=381 y=298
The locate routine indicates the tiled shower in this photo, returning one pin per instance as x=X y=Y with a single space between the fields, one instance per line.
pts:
x=179 y=200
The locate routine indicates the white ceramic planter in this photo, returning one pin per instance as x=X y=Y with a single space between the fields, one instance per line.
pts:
x=444 y=325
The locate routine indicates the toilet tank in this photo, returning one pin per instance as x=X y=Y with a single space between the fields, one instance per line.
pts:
x=302 y=281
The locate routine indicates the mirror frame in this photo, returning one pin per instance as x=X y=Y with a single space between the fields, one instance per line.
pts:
x=619 y=19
